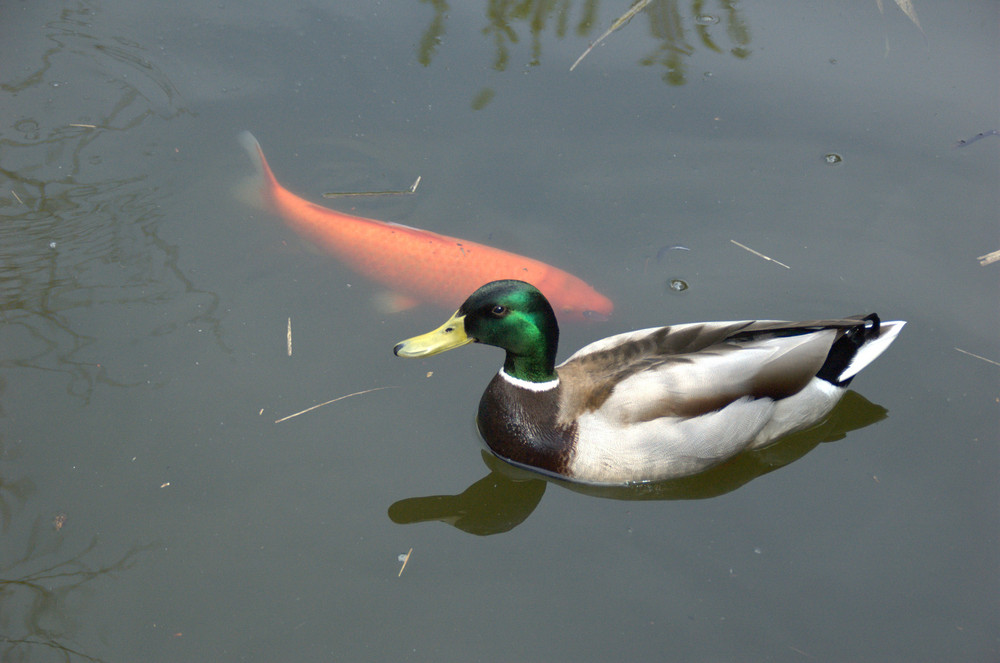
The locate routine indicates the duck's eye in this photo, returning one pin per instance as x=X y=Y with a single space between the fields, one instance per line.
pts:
x=499 y=311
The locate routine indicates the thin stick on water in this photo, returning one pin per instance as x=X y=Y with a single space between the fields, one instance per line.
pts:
x=759 y=254
x=405 y=560
x=339 y=398
x=988 y=361
x=619 y=22
x=288 y=337
x=412 y=189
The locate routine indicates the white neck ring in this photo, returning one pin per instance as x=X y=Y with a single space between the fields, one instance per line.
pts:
x=527 y=384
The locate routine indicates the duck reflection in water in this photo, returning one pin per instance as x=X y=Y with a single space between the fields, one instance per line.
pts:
x=505 y=497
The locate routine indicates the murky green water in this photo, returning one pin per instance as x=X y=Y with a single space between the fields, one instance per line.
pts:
x=151 y=509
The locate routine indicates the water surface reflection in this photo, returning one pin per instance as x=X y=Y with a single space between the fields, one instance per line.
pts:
x=505 y=498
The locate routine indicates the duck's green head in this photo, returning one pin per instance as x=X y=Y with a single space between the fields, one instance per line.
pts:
x=512 y=315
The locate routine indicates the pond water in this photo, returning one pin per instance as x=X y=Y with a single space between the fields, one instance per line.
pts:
x=151 y=508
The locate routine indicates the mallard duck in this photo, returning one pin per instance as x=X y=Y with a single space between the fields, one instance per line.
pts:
x=652 y=404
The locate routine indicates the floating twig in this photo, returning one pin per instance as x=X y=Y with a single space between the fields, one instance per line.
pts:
x=799 y=651
x=979 y=136
x=989 y=257
x=988 y=361
x=622 y=20
x=288 y=336
x=339 y=398
x=405 y=560
x=759 y=254
x=16 y=197
x=84 y=126
x=412 y=189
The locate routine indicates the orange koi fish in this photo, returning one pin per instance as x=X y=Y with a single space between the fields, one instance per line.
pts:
x=419 y=265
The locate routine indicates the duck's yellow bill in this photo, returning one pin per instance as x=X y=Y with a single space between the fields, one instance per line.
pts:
x=449 y=335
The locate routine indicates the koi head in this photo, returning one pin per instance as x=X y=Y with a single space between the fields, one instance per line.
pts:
x=572 y=299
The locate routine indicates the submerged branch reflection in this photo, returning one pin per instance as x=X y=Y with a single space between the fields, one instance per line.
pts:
x=40 y=602
x=505 y=498
x=80 y=242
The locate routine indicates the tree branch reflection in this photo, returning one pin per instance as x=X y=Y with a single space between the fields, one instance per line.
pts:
x=80 y=238
x=718 y=26
x=38 y=607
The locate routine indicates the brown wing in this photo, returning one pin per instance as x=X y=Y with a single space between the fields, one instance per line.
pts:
x=688 y=370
